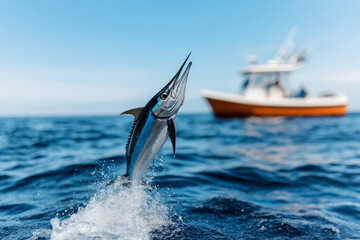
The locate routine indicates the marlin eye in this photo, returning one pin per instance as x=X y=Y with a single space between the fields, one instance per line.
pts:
x=163 y=96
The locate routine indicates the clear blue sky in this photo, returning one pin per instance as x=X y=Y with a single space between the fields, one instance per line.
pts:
x=103 y=57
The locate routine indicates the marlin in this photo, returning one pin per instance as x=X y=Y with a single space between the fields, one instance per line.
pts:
x=152 y=125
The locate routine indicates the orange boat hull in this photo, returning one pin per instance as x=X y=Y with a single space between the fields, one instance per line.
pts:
x=231 y=109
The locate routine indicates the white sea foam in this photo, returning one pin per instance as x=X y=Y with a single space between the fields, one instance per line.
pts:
x=115 y=213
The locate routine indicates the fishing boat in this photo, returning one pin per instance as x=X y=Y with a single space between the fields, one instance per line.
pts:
x=262 y=92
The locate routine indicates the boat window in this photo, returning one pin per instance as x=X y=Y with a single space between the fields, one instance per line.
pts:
x=246 y=82
x=260 y=80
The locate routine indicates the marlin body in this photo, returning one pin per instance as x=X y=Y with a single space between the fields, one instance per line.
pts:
x=152 y=125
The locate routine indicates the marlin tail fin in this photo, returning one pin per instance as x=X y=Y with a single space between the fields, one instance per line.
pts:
x=124 y=178
x=126 y=182
x=143 y=183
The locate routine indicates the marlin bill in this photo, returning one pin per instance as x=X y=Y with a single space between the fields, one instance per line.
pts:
x=152 y=125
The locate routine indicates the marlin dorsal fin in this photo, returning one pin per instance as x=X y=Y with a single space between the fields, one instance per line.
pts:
x=135 y=112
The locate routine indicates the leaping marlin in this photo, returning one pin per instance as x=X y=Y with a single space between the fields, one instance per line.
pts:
x=151 y=127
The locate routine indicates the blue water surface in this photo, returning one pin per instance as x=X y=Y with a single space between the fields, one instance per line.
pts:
x=253 y=178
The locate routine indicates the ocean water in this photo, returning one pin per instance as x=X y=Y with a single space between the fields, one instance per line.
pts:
x=253 y=178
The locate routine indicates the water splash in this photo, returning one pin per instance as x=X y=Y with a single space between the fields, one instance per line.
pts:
x=115 y=213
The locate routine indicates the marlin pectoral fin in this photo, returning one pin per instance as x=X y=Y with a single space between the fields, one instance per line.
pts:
x=172 y=133
x=135 y=112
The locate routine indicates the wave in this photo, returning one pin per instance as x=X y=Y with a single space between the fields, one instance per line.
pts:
x=51 y=176
x=13 y=209
x=252 y=221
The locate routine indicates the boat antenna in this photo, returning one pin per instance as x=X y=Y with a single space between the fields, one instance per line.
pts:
x=286 y=49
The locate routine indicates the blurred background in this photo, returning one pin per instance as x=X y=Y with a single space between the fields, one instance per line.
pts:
x=85 y=62
x=86 y=58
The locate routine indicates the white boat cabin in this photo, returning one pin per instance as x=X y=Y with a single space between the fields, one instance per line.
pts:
x=266 y=81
